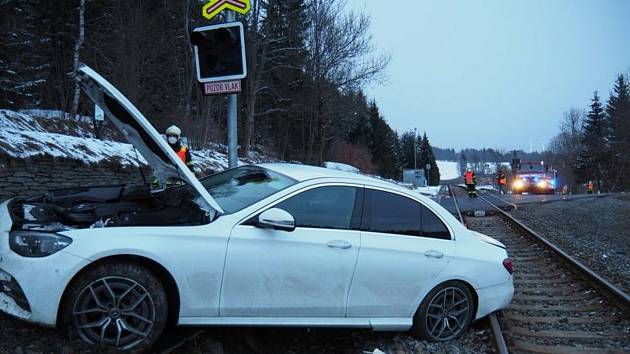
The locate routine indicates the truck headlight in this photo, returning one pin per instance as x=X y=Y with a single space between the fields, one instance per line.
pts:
x=37 y=244
x=542 y=184
x=518 y=184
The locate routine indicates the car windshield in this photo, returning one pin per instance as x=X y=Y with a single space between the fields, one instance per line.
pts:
x=238 y=188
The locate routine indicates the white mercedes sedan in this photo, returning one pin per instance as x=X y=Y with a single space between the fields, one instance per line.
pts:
x=262 y=245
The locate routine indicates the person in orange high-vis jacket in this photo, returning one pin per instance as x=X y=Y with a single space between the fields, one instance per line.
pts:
x=502 y=181
x=173 y=136
x=470 y=180
x=589 y=187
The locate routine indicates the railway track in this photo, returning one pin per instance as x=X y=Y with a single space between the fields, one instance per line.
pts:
x=558 y=306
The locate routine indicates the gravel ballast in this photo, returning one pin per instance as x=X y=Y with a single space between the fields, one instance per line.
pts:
x=23 y=338
x=595 y=231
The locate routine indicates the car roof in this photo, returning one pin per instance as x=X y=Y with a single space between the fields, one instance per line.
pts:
x=306 y=172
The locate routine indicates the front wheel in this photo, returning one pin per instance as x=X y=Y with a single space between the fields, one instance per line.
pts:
x=445 y=313
x=121 y=306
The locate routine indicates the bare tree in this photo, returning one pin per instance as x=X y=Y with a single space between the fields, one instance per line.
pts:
x=566 y=145
x=77 y=52
x=340 y=56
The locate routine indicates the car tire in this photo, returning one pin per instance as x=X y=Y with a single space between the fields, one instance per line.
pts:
x=122 y=306
x=445 y=313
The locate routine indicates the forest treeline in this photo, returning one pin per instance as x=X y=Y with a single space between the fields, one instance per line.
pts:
x=594 y=145
x=471 y=155
x=303 y=100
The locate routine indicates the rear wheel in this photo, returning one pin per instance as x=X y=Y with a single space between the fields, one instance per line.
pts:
x=445 y=313
x=122 y=306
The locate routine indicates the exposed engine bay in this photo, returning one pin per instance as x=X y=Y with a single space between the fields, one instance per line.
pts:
x=109 y=206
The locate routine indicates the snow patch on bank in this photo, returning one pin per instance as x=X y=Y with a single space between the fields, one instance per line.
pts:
x=25 y=144
x=23 y=136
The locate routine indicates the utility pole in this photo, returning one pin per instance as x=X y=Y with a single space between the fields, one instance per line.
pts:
x=232 y=118
x=415 y=159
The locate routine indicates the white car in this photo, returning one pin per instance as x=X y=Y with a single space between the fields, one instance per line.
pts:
x=264 y=245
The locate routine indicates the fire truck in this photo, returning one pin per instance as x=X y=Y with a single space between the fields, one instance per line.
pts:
x=532 y=178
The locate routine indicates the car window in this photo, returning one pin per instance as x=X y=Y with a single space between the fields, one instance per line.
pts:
x=393 y=214
x=432 y=226
x=328 y=207
x=241 y=187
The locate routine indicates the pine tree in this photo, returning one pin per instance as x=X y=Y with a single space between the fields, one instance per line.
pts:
x=592 y=159
x=384 y=146
x=407 y=146
x=282 y=89
x=618 y=114
x=427 y=158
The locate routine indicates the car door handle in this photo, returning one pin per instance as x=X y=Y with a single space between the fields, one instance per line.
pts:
x=434 y=254
x=339 y=244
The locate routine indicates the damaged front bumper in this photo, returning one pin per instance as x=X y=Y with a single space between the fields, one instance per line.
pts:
x=31 y=288
x=12 y=298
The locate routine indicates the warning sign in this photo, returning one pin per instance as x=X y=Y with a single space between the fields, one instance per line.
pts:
x=214 y=7
x=223 y=87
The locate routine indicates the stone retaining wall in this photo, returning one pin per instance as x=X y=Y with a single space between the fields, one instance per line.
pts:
x=21 y=177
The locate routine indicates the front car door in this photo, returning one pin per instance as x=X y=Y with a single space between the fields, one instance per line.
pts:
x=303 y=273
x=404 y=246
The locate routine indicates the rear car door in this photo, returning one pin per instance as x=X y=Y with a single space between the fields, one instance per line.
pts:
x=303 y=273
x=404 y=246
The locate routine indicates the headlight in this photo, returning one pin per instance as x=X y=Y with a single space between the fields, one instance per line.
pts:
x=37 y=244
x=542 y=184
x=518 y=184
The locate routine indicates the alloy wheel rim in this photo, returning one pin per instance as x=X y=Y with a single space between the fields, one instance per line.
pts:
x=447 y=313
x=115 y=312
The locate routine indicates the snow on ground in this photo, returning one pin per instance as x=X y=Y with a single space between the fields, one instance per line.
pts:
x=341 y=167
x=429 y=190
x=23 y=135
x=52 y=114
x=487 y=187
x=448 y=170
x=18 y=121
x=24 y=144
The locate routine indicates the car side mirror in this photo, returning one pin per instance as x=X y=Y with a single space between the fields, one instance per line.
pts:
x=277 y=219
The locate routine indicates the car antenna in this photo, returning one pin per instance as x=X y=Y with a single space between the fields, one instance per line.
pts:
x=144 y=179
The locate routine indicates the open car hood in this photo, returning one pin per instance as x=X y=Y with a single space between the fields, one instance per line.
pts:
x=139 y=132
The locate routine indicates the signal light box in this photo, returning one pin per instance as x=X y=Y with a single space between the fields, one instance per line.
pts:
x=219 y=52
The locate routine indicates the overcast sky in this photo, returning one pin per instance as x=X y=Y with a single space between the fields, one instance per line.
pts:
x=495 y=73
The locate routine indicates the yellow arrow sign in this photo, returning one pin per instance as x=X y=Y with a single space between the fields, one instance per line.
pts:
x=213 y=8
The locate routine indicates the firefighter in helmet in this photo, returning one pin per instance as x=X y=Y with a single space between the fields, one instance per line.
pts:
x=470 y=180
x=174 y=137
x=502 y=181
x=589 y=187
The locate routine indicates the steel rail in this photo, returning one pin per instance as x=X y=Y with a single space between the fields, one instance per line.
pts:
x=494 y=322
x=622 y=298
x=459 y=213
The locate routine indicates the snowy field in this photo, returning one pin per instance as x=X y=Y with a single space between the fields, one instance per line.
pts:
x=448 y=170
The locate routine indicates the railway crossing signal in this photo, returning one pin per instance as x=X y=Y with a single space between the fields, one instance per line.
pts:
x=220 y=57
x=219 y=52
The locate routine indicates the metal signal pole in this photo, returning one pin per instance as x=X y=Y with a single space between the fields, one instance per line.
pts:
x=415 y=159
x=232 y=119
